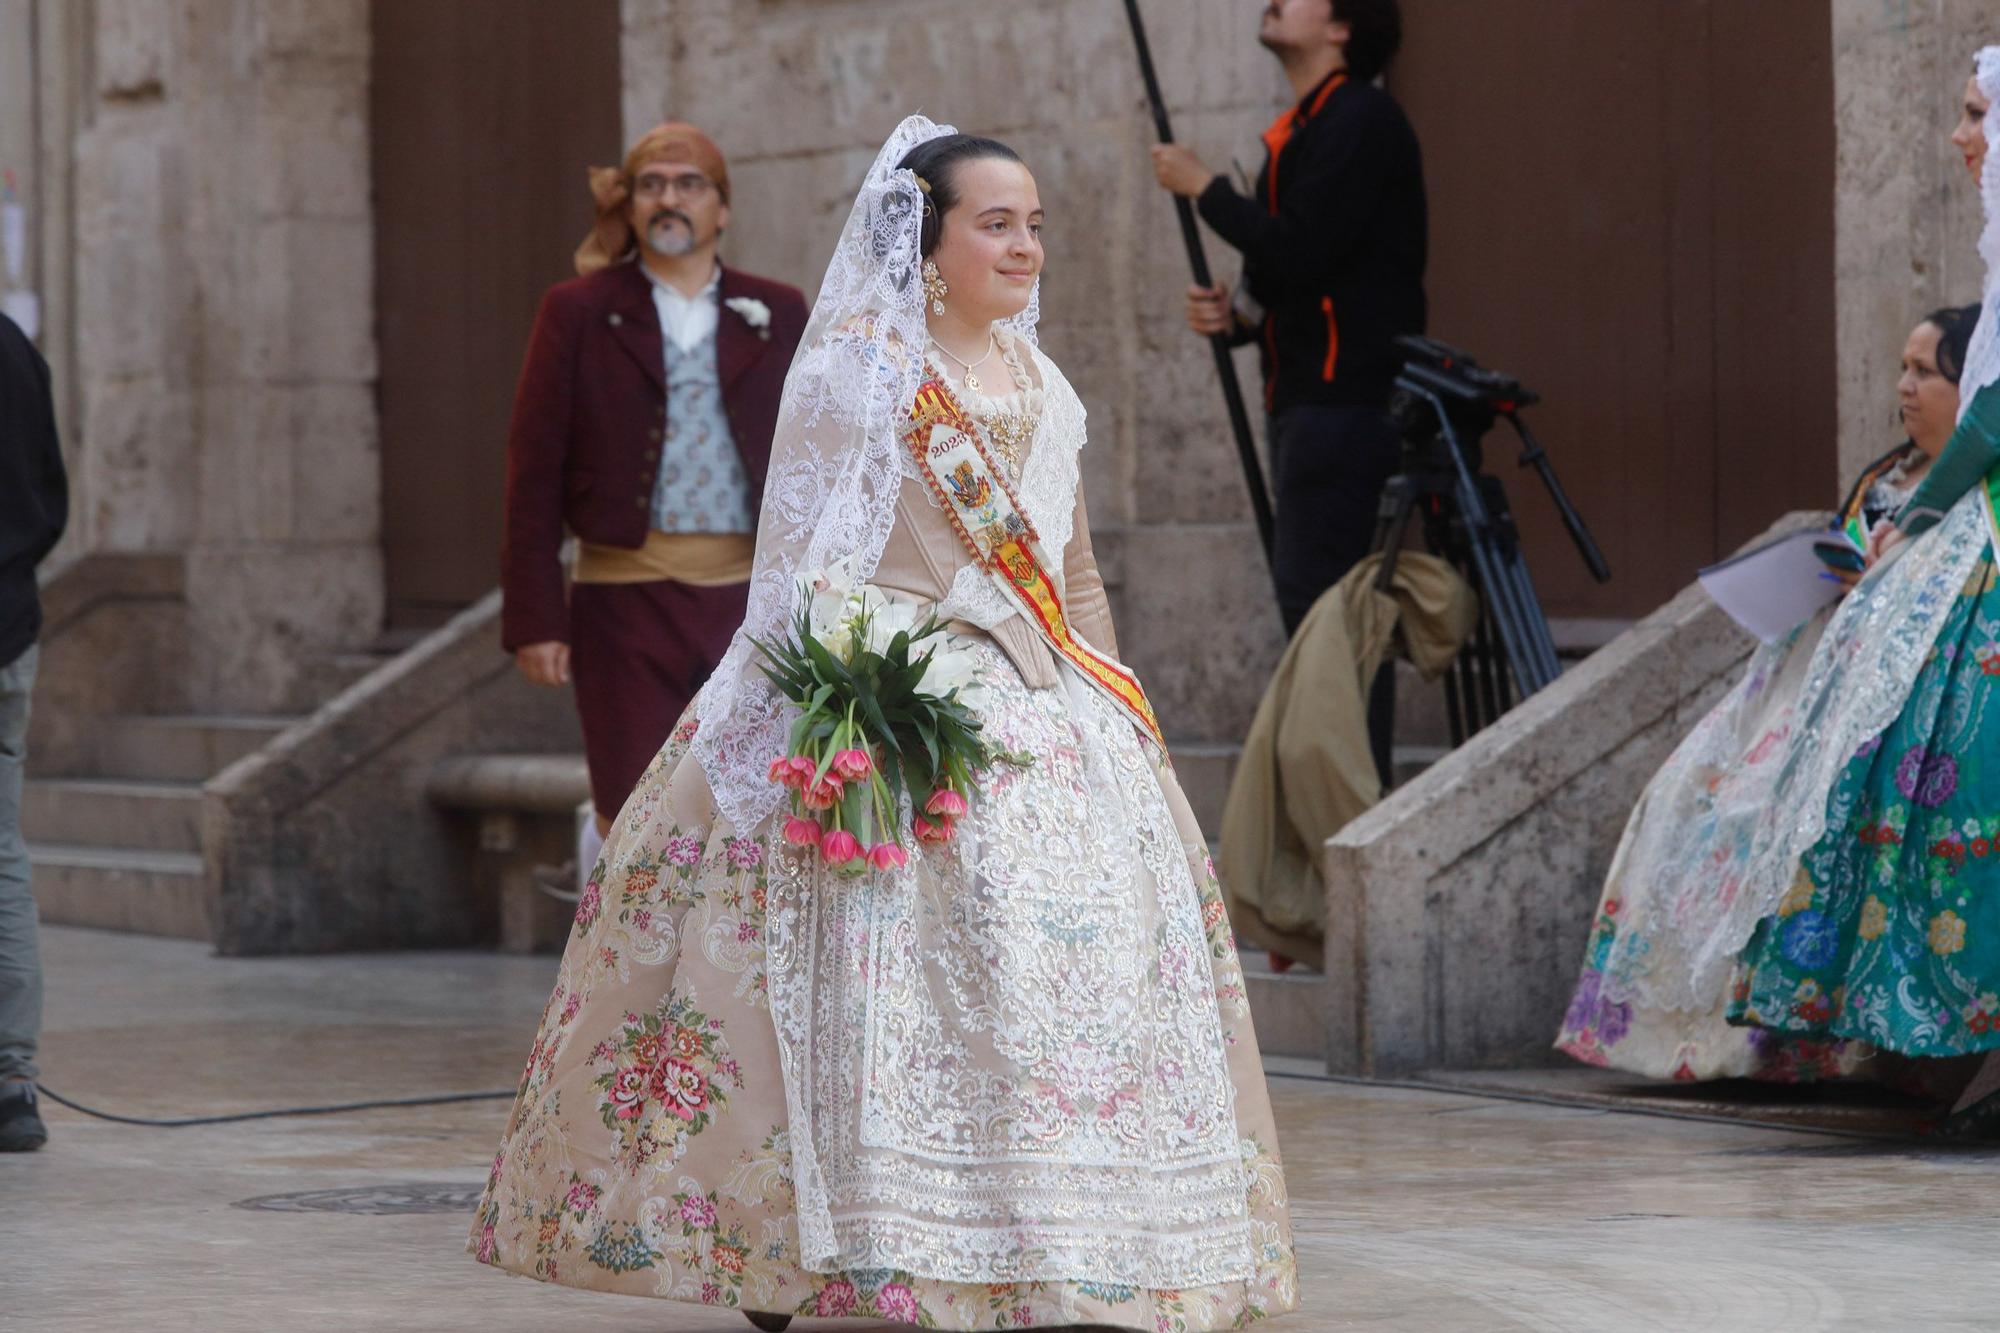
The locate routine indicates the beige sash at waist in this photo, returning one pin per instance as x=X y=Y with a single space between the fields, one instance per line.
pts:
x=700 y=559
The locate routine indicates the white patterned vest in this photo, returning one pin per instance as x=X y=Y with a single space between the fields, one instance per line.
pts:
x=702 y=486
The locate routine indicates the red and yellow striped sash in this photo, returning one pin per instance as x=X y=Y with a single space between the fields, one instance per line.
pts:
x=955 y=463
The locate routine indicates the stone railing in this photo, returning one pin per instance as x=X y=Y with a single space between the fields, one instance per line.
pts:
x=519 y=815
x=1458 y=908
x=114 y=640
x=327 y=838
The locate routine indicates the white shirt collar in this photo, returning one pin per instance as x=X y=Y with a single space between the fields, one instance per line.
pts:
x=686 y=319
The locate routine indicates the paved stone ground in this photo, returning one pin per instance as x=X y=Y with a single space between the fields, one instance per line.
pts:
x=1415 y=1210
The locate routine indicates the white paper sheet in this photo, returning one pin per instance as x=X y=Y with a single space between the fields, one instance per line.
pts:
x=1774 y=588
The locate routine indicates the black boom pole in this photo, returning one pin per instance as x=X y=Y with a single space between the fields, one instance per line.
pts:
x=1232 y=392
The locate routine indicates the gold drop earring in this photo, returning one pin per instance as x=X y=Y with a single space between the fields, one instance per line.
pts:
x=934 y=288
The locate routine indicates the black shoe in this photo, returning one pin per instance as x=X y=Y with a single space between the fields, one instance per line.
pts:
x=770 y=1323
x=21 y=1128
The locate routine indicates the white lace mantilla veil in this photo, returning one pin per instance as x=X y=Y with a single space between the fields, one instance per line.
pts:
x=836 y=461
x=1680 y=942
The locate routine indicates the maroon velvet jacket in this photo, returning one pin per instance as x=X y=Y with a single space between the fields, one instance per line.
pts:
x=590 y=416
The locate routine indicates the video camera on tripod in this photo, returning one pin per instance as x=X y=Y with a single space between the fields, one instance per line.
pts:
x=1443 y=406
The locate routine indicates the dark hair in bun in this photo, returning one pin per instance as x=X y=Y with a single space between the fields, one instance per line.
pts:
x=936 y=163
x=1954 y=325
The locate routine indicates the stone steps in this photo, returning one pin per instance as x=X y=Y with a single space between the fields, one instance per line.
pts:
x=1289 y=1008
x=119 y=847
x=112 y=888
x=135 y=815
x=179 y=749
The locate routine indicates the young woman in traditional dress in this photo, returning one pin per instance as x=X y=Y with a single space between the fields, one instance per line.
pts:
x=1011 y=1083
x=1852 y=888
x=1667 y=837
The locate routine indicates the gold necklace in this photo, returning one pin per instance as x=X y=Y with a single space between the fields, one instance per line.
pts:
x=966 y=367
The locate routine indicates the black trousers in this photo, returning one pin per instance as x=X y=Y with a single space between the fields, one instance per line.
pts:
x=1328 y=467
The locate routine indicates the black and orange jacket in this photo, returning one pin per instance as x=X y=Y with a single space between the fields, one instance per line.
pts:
x=1333 y=244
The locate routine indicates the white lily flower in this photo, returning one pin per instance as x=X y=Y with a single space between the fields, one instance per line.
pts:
x=889 y=620
x=953 y=668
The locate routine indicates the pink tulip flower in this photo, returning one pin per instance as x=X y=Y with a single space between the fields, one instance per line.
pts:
x=853 y=765
x=781 y=769
x=839 y=847
x=929 y=831
x=801 y=832
x=944 y=801
x=887 y=856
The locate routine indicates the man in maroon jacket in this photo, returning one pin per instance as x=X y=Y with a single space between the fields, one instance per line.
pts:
x=642 y=424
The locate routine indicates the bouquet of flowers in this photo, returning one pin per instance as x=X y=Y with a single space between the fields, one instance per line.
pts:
x=876 y=719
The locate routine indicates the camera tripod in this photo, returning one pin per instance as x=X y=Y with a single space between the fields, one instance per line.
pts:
x=1444 y=404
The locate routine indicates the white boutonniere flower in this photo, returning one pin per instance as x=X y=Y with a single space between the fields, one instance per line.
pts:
x=754 y=313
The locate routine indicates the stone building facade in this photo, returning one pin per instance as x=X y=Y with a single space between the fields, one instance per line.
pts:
x=204 y=251
x=198 y=176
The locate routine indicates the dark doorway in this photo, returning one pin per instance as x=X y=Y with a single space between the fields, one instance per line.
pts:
x=485 y=118
x=1632 y=209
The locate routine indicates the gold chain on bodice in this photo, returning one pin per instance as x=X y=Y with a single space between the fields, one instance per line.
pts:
x=1009 y=420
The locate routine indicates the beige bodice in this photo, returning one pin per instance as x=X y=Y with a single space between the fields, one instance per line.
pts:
x=924 y=554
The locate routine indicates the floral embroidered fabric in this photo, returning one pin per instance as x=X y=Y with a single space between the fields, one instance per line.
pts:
x=702 y=486
x=1891 y=930
x=1673 y=846
x=653 y=1150
x=1726 y=867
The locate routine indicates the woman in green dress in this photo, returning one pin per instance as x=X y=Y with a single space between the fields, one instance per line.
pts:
x=1889 y=928
x=1673 y=825
x=1848 y=884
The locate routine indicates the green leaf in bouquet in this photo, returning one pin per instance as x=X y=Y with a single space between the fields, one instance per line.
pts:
x=854 y=807
x=827 y=666
x=917 y=778
x=883 y=732
x=783 y=671
x=892 y=777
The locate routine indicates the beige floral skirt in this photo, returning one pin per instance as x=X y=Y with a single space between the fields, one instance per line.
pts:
x=1013 y=1085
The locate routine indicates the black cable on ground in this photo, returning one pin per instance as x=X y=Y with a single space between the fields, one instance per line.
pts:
x=1570 y=1104
x=1409 y=1085
x=337 y=1108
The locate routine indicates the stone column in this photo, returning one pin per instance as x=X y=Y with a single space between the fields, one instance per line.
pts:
x=1907 y=217
x=285 y=563
x=226 y=313
x=801 y=99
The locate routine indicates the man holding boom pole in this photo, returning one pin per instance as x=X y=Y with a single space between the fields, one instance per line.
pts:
x=1333 y=246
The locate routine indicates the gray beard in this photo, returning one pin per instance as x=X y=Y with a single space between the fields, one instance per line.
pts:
x=669 y=242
